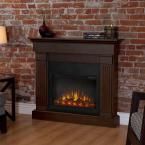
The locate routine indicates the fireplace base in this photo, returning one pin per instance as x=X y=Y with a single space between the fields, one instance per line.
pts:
x=76 y=118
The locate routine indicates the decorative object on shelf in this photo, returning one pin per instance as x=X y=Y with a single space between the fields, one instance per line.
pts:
x=93 y=35
x=111 y=32
x=45 y=31
x=3 y=35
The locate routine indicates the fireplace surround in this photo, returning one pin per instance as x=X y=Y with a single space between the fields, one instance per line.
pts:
x=76 y=80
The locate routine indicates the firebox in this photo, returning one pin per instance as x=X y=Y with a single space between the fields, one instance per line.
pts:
x=74 y=88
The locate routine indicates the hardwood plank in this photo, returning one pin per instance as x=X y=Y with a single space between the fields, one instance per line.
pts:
x=26 y=131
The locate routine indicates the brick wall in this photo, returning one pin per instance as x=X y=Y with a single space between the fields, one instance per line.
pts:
x=70 y=18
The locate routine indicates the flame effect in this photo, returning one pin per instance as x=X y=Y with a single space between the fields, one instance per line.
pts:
x=75 y=99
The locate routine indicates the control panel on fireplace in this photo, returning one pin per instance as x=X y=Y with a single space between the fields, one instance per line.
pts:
x=74 y=87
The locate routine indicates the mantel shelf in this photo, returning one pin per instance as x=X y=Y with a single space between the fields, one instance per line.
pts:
x=76 y=40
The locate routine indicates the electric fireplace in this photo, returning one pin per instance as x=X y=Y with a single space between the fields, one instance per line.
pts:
x=74 y=87
x=76 y=80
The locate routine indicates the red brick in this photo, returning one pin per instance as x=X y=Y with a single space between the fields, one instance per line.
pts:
x=126 y=64
x=85 y=16
x=30 y=6
x=131 y=4
x=133 y=70
x=124 y=58
x=136 y=53
x=141 y=35
x=93 y=22
x=29 y=22
x=69 y=27
x=128 y=22
x=68 y=16
x=137 y=17
x=72 y=18
x=142 y=65
x=132 y=58
x=78 y=5
x=103 y=11
x=140 y=47
x=138 y=41
x=62 y=5
x=19 y=6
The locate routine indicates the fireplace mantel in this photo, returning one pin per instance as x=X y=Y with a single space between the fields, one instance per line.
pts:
x=102 y=52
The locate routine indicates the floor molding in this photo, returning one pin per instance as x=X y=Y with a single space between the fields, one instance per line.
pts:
x=22 y=108
x=124 y=118
x=26 y=108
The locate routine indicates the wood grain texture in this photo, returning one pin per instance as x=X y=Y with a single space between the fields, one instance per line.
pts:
x=26 y=131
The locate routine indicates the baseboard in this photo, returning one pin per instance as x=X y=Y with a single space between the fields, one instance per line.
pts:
x=22 y=108
x=124 y=118
x=26 y=108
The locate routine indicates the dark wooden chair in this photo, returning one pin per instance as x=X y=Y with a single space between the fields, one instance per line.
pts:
x=136 y=127
x=3 y=121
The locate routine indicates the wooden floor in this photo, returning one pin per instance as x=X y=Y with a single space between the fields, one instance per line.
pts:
x=26 y=131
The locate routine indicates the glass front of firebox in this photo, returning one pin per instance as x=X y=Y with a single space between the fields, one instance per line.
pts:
x=74 y=94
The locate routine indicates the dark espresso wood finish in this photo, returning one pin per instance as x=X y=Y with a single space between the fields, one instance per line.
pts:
x=103 y=52
x=9 y=82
